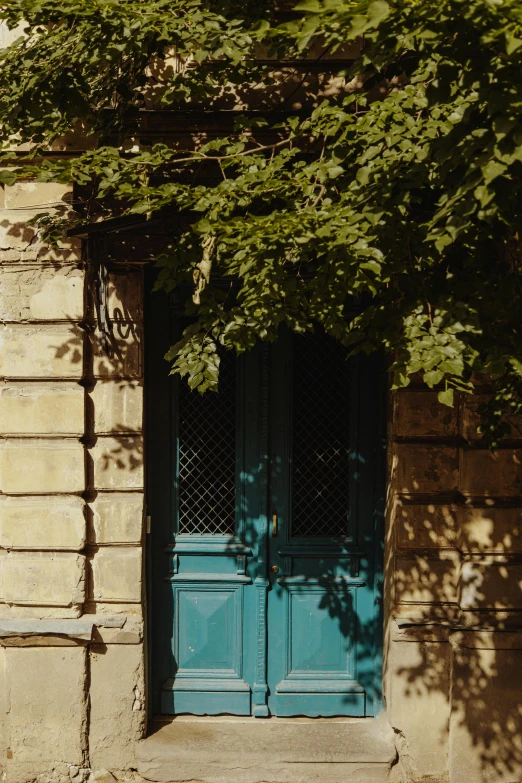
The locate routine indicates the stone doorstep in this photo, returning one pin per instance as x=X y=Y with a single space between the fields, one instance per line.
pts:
x=273 y=750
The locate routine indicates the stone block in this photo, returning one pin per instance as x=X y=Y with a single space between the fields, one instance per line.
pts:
x=418 y=685
x=118 y=462
x=486 y=640
x=126 y=360
x=490 y=529
x=9 y=36
x=41 y=351
x=117 y=406
x=47 y=719
x=67 y=252
x=56 y=579
x=117 y=574
x=419 y=414
x=37 y=194
x=486 y=716
x=425 y=468
x=117 y=517
x=4 y=710
x=494 y=474
x=471 y=418
x=36 y=465
x=491 y=582
x=117 y=705
x=126 y=296
x=420 y=526
x=9 y=255
x=129 y=630
x=46 y=522
x=423 y=580
x=130 y=611
x=41 y=293
x=15 y=232
x=42 y=409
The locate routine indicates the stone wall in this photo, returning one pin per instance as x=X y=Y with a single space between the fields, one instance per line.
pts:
x=72 y=693
x=453 y=671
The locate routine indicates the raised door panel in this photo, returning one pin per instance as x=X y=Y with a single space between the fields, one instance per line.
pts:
x=208 y=648
x=318 y=648
x=208 y=638
x=320 y=672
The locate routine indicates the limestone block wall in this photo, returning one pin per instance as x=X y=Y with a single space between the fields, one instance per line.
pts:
x=72 y=686
x=453 y=658
x=72 y=693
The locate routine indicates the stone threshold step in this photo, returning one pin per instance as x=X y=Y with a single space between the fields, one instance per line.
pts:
x=270 y=750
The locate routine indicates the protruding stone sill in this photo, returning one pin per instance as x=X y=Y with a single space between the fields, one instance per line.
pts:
x=89 y=629
x=268 y=750
x=475 y=636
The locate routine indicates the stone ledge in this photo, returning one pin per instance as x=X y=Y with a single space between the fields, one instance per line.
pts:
x=404 y=630
x=92 y=629
x=460 y=631
x=74 y=629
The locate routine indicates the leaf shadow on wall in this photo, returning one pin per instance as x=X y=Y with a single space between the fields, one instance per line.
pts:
x=454 y=662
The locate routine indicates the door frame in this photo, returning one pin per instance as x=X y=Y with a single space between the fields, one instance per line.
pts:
x=159 y=473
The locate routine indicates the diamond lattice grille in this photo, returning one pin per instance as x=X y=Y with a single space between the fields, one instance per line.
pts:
x=207 y=456
x=320 y=492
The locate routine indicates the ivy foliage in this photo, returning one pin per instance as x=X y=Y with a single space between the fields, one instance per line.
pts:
x=388 y=213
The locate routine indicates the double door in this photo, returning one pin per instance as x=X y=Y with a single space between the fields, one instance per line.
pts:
x=266 y=504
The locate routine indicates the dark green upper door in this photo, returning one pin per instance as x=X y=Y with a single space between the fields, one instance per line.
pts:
x=266 y=535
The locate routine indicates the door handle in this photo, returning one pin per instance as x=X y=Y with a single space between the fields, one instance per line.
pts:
x=274 y=523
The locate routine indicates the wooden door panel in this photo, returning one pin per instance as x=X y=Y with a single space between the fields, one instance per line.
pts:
x=208 y=631
x=317 y=647
x=208 y=650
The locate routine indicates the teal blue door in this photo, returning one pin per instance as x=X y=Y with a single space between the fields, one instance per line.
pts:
x=266 y=507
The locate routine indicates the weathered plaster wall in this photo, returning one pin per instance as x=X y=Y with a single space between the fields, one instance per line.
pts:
x=453 y=671
x=72 y=694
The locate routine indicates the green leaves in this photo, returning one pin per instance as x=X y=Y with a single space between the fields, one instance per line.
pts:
x=446 y=397
x=492 y=170
x=388 y=212
x=100 y=62
x=8 y=177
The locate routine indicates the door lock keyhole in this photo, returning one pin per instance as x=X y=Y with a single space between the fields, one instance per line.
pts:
x=274 y=569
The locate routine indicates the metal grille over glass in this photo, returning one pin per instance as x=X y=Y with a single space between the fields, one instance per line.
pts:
x=320 y=486
x=207 y=456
